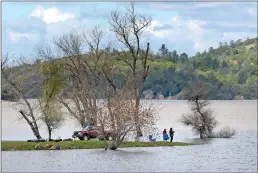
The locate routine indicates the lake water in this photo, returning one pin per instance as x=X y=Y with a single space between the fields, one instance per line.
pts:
x=238 y=154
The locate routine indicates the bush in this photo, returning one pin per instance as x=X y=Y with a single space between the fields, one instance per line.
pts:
x=225 y=132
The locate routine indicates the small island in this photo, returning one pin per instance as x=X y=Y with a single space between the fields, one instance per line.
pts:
x=91 y=144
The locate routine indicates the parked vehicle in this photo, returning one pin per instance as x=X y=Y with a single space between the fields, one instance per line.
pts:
x=95 y=132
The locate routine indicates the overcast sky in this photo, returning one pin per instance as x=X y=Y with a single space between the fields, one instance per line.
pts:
x=184 y=26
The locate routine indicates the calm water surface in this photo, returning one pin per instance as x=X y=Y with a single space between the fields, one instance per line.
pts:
x=238 y=154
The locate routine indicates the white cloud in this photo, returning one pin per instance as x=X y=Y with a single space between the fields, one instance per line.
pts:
x=14 y=36
x=197 y=32
x=51 y=15
x=237 y=35
x=208 y=4
x=252 y=12
x=195 y=26
x=37 y=12
x=237 y=24
x=17 y=36
x=187 y=5
x=183 y=31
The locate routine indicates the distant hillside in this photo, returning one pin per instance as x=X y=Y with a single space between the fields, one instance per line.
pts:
x=229 y=71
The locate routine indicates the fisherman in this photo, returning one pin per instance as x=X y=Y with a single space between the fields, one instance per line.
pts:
x=171 y=134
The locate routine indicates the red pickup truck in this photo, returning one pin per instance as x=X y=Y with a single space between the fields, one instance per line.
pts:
x=95 y=132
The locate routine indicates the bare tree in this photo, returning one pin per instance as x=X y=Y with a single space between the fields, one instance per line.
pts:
x=82 y=77
x=202 y=119
x=129 y=28
x=118 y=114
x=19 y=82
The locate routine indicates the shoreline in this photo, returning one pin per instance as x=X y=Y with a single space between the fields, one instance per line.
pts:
x=154 y=100
x=69 y=145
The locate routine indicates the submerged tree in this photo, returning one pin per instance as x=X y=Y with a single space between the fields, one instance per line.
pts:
x=202 y=119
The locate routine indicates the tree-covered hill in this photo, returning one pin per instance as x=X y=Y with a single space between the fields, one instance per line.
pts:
x=229 y=71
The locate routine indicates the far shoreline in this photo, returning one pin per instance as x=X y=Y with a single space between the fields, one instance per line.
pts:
x=8 y=101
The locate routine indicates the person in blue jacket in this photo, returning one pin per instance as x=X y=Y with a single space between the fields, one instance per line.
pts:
x=165 y=135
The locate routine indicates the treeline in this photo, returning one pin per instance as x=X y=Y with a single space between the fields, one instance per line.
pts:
x=229 y=71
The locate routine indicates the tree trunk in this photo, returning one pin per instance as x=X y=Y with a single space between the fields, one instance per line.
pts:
x=111 y=114
x=83 y=122
x=201 y=133
x=113 y=145
x=49 y=132
x=34 y=129
x=138 y=126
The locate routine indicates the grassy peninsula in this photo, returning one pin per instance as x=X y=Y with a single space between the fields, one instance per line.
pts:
x=91 y=144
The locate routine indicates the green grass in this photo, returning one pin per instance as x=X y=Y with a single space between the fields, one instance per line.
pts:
x=91 y=144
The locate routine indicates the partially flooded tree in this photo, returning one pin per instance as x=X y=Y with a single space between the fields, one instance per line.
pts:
x=202 y=119
x=129 y=28
x=19 y=79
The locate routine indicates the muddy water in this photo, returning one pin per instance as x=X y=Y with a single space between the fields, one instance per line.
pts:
x=230 y=155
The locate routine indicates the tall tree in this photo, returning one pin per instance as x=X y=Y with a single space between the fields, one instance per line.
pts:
x=183 y=57
x=232 y=43
x=163 y=51
x=220 y=44
x=175 y=56
x=129 y=28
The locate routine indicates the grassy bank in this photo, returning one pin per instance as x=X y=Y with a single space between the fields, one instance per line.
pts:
x=91 y=144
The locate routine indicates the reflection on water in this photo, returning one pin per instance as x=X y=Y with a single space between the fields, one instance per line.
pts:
x=238 y=154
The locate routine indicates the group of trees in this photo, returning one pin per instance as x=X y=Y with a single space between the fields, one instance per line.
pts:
x=229 y=75
x=83 y=79
x=173 y=56
x=119 y=73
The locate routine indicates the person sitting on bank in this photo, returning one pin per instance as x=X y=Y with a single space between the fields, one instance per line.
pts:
x=165 y=135
x=151 y=139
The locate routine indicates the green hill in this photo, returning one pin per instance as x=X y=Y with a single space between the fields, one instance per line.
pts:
x=229 y=71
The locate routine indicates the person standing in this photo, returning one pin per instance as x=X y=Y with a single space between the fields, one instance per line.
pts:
x=171 y=134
